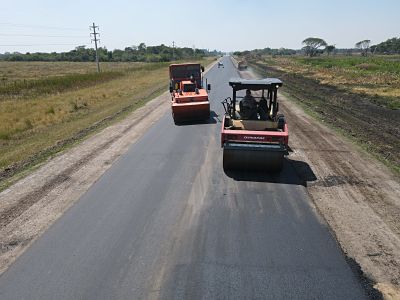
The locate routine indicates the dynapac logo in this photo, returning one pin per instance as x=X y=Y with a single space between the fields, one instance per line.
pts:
x=254 y=138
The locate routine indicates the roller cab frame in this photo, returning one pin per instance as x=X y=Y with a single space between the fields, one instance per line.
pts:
x=189 y=99
x=259 y=143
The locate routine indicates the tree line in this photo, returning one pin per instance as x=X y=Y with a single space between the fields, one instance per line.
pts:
x=312 y=47
x=391 y=46
x=140 y=53
x=316 y=46
x=267 y=51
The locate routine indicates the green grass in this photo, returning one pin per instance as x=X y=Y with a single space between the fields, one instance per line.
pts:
x=374 y=76
x=368 y=64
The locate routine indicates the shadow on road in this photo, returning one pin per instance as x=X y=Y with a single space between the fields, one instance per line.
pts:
x=293 y=172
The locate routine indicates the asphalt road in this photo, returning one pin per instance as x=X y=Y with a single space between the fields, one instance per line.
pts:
x=166 y=222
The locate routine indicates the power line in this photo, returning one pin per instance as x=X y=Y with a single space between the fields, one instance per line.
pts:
x=95 y=39
x=42 y=35
x=15 y=45
x=39 y=26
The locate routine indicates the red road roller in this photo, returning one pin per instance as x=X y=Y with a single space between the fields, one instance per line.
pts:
x=254 y=136
x=189 y=100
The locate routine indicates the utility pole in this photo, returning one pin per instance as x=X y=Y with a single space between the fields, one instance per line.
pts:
x=95 y=39
x=173 y=50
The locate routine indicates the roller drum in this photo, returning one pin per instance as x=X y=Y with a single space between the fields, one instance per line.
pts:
x=252 y=159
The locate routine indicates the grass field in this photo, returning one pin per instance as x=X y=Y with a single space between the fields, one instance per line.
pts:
x=377 y=77
x=15 y=71
x=45 y=103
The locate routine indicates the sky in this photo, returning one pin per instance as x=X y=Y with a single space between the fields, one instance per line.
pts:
x=48 y=25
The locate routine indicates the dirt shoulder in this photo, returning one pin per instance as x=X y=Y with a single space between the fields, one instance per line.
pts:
x=32 y=204
x=358 y=196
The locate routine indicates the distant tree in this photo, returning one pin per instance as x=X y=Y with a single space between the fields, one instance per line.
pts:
x=142 y=47
x=390 y=46
x=312 y=45
x=129 y=49
x=363 y=46
x=329 y=49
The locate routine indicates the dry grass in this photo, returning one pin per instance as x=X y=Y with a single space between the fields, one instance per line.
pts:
x=30 y=125
x=12 y=71
x=377 y=76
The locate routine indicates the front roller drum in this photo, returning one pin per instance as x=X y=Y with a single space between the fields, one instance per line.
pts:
x=191 y=112
x=253 y=160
